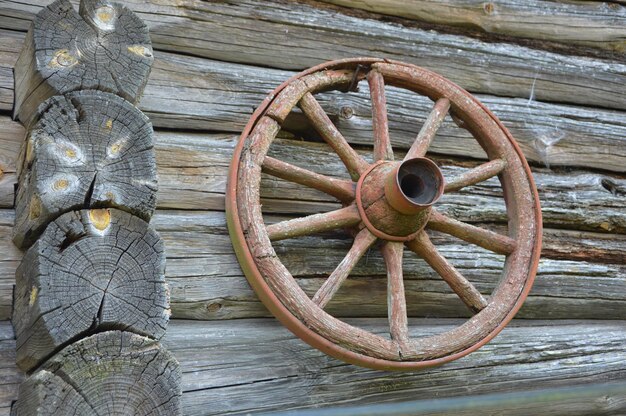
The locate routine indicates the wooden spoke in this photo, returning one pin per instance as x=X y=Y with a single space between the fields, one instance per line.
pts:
x=340 y=189
x=423 y=247
x=396 y=301
x=476 y=175
x=316 y=223
x=382 y=143
x=362 y=243
x=355 y=164
x=495 y=242
x=429 y=129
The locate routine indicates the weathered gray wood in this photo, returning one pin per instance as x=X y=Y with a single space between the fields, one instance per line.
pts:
x=594 y=24
x=87 y=149
x=581 y=400
x=91 y=270
x=192 y=172
x=207 y=283
x=10 y=375
x=104 y=47
x=257 y=365
x=269 y=34
x=220 y=97
x=108 y=373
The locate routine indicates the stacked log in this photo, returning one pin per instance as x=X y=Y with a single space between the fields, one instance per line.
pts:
x=90 y=300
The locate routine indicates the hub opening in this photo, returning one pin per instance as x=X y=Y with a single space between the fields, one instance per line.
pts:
x=420 y=181
x=412 y=186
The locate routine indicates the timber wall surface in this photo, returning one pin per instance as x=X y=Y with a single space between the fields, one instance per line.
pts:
x=561 y=91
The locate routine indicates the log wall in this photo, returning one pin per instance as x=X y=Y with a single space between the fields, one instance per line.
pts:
x=560 y=92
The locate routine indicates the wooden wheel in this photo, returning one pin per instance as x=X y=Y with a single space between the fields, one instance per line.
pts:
x=389 y=201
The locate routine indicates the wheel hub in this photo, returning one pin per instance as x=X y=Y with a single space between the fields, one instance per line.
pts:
x=394 y=198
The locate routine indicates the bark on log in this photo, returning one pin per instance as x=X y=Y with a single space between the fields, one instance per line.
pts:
x=269 y=34
x=87 y=149
x=594 y=24
x=103 y=46
x=91 y=270
x=583 y=277
x=219 y=378
x=106 y=374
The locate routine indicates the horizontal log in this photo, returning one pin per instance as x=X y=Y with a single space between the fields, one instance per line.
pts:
x=292 y=375
x=593 y=24
x=257 y=365
x=270 y=34
x=207 y=283
x=220 y=96
x=192 y=171
x=580 y=400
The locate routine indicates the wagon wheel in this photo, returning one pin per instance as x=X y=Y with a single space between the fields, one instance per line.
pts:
x=388 y=200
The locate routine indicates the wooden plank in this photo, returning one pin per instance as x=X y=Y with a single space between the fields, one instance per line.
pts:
x=269 y=34
x=192 y=171
x=220 y=96
x=592 y=24
x=256 y=364
x=207 y=283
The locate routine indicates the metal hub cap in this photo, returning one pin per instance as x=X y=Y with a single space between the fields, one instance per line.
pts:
x=388 y=204
x=394 y=198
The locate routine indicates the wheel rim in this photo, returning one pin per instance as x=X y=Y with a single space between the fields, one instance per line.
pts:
x=304 y=316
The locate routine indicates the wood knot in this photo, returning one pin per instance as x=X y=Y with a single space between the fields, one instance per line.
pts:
x=60 y=185
x=33 y=296
x=100 y=218
x=140 y=50
x=62 y=58
x=346 y=112
x=489 y=8
x=71 y=153
x=214 y=307
x=104 y=17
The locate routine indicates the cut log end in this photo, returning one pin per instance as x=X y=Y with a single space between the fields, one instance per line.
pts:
x=87 y=149
x=91 y=270
x=104 y=46
x=110 y=373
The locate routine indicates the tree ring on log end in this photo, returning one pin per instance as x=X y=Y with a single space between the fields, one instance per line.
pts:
x=304 y=314
x=91 y=270
x=104 y=46
x=87 y=149
x=109 y=373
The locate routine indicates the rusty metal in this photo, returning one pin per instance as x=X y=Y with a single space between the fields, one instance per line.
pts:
x=389 y=200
